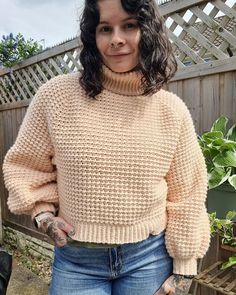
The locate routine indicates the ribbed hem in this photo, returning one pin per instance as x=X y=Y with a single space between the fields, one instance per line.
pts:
x=115 y=234
x=185 y=266
x=42 y=206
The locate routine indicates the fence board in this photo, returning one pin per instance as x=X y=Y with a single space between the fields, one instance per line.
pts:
x=178 y=5
x=228 y=95
x=213 y=24
x=3 y=98
x=183 y=34
x=210 y=101
x=186 y=51
x=199 y=37
x=225 y=9
x=3 y=90
x=218 y=66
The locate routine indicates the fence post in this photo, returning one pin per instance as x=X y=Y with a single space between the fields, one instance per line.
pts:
x=1 y=223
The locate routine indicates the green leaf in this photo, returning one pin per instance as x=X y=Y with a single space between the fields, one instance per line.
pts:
x=230 y=215
x=212 y=215
x=217 y=176
x=201 y=142
x=11 y=55
x=233 y=241
x=210 y=166
x=209 y=154
x=225 y=159
x=208 y=137
x=228 y=145
x=220 y=124
x=230 y=262
x=218 y=142
x=231 y=135
x=232 y=180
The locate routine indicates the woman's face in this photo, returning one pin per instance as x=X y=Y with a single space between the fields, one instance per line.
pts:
x=117 y=36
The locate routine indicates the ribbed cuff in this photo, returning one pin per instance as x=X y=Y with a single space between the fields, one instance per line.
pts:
x=185 y=266
x=42 y=207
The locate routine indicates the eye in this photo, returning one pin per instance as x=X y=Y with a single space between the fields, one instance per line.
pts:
x=105 y=29
x=130 y=25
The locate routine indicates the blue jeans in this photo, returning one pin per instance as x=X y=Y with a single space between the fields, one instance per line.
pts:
x=130 y=269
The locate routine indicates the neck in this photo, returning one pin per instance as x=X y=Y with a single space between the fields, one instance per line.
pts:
x=128 y=83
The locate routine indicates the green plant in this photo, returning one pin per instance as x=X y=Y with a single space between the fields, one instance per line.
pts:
x=15 y=49
x=231 y=261
x=225 y=229
x=219 y=149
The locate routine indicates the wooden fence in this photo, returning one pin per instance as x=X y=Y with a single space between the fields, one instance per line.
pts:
x=204 y=45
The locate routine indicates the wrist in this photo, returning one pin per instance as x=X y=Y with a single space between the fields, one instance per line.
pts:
x=42 y=216
x=190 y=277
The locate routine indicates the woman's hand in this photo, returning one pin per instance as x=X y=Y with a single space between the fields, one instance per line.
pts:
x=57 y=229
x=175 y=285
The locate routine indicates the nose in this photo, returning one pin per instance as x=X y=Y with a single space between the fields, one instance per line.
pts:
x=117 y=38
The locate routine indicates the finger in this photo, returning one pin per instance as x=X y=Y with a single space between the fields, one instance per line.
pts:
x=161 y=291
x=66 y=227
x=45 y=221
x=63 y=240
x=169 y=287
x=57 y=235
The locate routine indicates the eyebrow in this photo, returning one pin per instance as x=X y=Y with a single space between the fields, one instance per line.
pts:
x=124 y=20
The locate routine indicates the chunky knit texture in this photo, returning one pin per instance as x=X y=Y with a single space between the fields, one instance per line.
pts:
x=119 y=168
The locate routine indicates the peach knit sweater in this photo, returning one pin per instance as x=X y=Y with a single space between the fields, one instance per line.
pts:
x=118 y=168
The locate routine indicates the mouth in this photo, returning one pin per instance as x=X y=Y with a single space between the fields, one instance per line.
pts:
x=118 y=54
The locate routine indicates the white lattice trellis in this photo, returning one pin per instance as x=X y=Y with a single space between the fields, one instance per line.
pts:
x=22 y=81
x=200 y=30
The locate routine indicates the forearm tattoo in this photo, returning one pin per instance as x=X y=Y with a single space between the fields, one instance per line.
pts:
x=178 y=284
x=181 y=284
x=45 y=221
x=51 y=227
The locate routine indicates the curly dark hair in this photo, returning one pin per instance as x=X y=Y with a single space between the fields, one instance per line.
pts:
x=156 y=59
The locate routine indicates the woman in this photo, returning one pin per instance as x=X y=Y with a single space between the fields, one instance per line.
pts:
x=108 y=163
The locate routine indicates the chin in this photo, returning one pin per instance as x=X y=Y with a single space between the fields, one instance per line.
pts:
x=120 y=69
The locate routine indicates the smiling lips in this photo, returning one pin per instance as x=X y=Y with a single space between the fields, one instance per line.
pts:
x=119 y=55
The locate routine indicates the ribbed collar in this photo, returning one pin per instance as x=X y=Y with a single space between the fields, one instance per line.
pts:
x=128 y=83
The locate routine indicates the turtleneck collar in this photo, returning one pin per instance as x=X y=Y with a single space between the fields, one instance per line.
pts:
x=128 y=83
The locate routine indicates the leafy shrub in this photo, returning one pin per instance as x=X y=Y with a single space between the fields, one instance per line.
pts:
x=15 y=49
x=219 y=149
x=225 y=229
